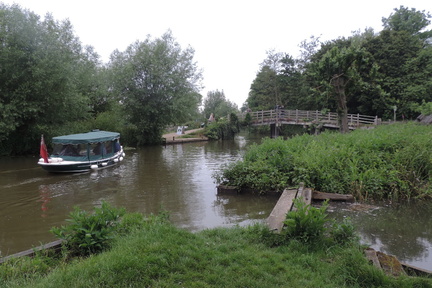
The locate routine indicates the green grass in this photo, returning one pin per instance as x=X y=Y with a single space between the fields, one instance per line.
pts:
x=160 y=255
x=388 y=162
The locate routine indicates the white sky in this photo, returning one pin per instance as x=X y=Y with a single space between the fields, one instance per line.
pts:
x=230 y=37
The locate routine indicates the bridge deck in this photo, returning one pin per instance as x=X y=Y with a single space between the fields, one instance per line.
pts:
x=306 y=118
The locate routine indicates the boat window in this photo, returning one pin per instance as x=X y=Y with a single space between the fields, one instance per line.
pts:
x=109 y=147
x=98 y=149
x=69 y=150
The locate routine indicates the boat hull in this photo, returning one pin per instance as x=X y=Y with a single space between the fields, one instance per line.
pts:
x=82 y=166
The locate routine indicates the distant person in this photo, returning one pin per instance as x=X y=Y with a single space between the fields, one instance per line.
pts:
x=211 y=118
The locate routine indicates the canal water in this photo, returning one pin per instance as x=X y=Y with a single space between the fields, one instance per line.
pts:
x=178 y=179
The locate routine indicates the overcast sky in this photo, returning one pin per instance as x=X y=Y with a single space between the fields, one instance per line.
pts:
x=230 y=37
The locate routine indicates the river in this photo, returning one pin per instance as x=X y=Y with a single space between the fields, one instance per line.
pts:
x=178 y=179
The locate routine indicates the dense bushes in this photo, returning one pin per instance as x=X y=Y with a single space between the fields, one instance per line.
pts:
x=223 y=128
x=388 y=162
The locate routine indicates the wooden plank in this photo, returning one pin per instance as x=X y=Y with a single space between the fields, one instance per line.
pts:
x=332 y=196
x=306 y=194
x=227 y=190
x=282 y=207
x=413 y=270
x=55 y=245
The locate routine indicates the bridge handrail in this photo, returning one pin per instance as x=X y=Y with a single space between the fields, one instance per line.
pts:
x=306 y=116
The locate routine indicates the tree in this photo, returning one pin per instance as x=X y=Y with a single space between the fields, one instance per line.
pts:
x=43 y=68
x=308 y=50
x=157 y=83
x=216 y=103
x=409 y=20
x=294 y=90
x=336 y=71
x=393 y=51
x=262 y=90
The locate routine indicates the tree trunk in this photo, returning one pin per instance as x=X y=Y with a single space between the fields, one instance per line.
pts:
x=339 y=83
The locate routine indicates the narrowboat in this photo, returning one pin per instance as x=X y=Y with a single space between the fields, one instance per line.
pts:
x=82 y=152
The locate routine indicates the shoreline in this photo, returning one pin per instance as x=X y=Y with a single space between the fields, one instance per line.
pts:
x=174 y=138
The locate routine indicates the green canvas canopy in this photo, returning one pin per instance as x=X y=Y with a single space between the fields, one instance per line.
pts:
x=86 y=138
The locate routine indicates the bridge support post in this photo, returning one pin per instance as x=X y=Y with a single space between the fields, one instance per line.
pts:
x=274 y=130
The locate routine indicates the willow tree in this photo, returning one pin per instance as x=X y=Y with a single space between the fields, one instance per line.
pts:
x=158 y=84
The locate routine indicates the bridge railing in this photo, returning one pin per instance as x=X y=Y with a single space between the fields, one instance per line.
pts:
x=305 y=117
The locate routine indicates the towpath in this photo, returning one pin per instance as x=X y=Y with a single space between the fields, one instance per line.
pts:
x=174 y=138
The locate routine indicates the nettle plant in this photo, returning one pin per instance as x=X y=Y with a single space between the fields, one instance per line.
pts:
x=88 y=233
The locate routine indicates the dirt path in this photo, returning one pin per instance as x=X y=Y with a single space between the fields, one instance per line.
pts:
x=173 y=138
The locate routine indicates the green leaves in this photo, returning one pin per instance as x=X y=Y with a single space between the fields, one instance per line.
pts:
x=306 y=223
x=158 y=84
x=216 y=103
x=370 y=164
x=89 y=233
x=410 y=20
x=44 y=76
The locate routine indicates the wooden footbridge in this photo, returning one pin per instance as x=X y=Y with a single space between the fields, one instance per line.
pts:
x=277 y=117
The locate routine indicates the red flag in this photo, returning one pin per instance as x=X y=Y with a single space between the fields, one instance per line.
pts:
x=43 y=150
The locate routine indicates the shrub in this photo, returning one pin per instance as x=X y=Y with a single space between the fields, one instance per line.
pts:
x=223 y=128
x=344 y=233
x=306 y=223
x=390 y=162
x=89 y=233
x=309 y=224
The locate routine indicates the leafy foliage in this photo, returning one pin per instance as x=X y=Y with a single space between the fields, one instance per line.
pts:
x=344 y=233
x=410 y=20
x=368 y=73
x=223 y=128
x=157 y=82
x=306 y=223
x=388 y=162
x=89 y=233
x=157 y=254
x=309 y=224
x=216 y=103
x=51 y=84
x=46 y=77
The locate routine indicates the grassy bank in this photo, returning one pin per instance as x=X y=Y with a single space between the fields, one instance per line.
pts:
x=388 y=162
x=160 y=255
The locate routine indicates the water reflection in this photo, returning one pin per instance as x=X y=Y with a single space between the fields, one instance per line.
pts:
x=178 y=179
x=404 y=230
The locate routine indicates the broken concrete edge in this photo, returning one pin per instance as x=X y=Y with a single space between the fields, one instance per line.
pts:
x=392 y=266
